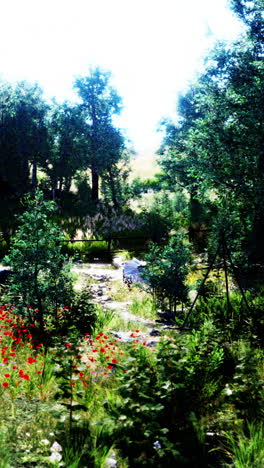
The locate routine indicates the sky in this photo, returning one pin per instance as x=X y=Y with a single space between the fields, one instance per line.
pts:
x=153 y=48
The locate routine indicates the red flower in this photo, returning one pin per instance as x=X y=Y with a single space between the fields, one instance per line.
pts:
x=31 y=360
x=81 y=374
x=72 y=384
x=5 y=384
x=102 y=350
x=68 y=345
x=114 y=361
x=7 y=375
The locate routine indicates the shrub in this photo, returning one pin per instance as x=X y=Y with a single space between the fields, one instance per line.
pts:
x=162 y=417
x=166 y=271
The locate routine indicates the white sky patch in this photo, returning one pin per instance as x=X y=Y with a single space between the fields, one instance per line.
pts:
x=152 y=47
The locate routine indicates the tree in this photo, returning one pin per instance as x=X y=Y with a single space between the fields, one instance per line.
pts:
x=23 y=145
x=217 y=145
x=99 y=103
x=68 y=141
x=40 y=282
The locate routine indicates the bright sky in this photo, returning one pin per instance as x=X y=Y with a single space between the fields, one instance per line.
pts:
x=152 y=47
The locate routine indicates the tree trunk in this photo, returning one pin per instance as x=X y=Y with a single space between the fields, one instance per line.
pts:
x=34 y=180
x=95 y=184
x=113 y=190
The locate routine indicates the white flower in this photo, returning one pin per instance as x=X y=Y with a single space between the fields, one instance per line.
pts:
x=55 y=456
x=56 y=447
x=228 y=390
x=45 y=441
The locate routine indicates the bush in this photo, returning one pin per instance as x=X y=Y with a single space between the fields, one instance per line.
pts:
x=167 y=403
x=166 y=271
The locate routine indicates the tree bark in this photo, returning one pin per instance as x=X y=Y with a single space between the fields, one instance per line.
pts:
x=95 y=184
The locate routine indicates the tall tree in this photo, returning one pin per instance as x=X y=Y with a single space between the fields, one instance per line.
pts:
x=68 y=139
x=23 y=144
x=218 y=143
x=99 y=103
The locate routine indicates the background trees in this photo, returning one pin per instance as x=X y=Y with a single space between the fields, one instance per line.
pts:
x=106 y=144
x=216 y=148
x=64 y=144
x=23 y=144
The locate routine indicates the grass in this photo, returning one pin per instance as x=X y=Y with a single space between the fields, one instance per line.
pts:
x=143 y=305
x=246 y=448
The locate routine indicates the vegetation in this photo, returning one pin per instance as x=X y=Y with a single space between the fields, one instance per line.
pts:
x=79 y=383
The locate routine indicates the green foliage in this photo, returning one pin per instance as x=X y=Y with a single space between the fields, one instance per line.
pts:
x=159 y=421
x=247 y=384
x=85 y=251
x=234 y=319
x=245 y=448
x=166 y=270
x=167 y=211
x=23 y=143
x=40 y=281
x=106 y=144
x=215 y=150
x=81 y=312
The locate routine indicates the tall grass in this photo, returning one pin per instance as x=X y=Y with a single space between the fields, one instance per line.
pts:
x=246 y=449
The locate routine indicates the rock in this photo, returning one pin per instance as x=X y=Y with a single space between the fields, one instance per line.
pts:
x=105 y=298
x=155 y=333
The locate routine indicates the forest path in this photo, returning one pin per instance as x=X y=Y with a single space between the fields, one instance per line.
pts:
x=111 y=293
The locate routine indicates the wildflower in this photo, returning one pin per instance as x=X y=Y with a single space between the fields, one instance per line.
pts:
x=45 y=441
x=157 y=445
x=31 y=360
x=55 y=456
x=56 y=447
x=5 y=384
x=7 y=375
